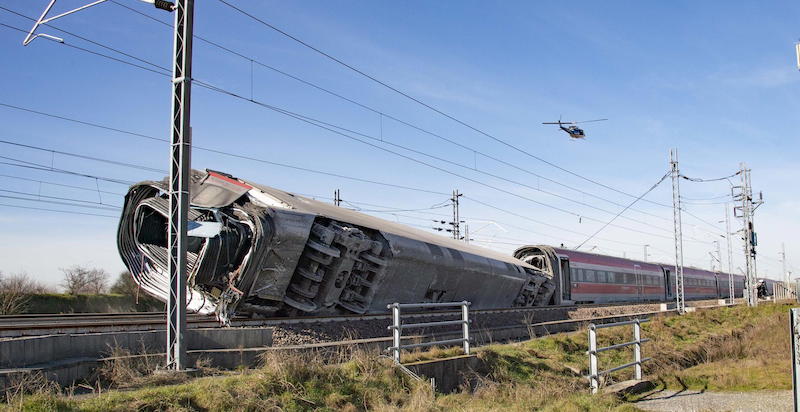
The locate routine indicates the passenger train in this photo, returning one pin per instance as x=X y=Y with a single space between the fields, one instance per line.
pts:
x=582 y=277
x=254 y=249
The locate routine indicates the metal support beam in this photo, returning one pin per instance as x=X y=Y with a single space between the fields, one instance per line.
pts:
x=746 y=209
x=180 y=167
x=731 y=289
x=680 y=304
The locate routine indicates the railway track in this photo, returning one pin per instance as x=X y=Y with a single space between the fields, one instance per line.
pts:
x=44 y=324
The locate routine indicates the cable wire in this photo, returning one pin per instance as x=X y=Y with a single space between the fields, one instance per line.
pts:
x=623 y=210
x=430 y=107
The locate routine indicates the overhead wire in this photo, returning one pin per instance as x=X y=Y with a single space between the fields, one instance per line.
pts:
x=56 y=210
x=623 y=210
x=122 y=61
x=323 y=126
x=90 y=189
x=388 y=116
x=85 y=157
x=422 y=103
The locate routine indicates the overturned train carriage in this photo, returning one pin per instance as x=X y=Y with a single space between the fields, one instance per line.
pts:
x=256 y=249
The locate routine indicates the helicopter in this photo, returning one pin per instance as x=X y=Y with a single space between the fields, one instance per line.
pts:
x=574 y=131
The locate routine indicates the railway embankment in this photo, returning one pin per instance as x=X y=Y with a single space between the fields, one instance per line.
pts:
x=724 y=349
x=88 y=303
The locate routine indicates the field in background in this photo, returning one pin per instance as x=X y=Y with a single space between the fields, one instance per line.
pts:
x=735 y=348
x=99 y=303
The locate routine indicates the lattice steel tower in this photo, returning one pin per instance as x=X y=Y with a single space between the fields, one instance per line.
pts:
x=680 y=302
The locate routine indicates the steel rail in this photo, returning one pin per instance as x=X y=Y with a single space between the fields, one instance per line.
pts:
x=78 y=320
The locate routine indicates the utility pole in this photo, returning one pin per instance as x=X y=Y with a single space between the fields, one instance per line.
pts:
x=180 y=163
x=337 y=197
x=745 y=212
x=729 y=247
x=456 y=218
x=180 y=167
x=676 y=220
x=455 y=224
x=645 y=252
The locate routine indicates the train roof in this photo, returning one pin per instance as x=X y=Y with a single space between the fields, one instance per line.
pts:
x=307 y=205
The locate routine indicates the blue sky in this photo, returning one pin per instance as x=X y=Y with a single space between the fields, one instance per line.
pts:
x=717 y=80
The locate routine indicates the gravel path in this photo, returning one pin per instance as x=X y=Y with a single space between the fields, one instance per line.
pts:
x=717 y=401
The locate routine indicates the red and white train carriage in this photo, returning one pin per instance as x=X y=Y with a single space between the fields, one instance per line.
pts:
x=582 y=277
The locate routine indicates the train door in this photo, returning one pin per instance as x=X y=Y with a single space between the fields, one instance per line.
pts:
x=566 y=279
x=668 y=285
x=637 y=272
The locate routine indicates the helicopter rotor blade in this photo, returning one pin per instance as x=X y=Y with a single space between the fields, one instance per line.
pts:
x=589 y=121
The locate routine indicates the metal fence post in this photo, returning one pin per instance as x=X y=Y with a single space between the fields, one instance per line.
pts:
x=465 y=326
x=794 y=322
x=637 y=350
x=396 y=331
x=594 y=379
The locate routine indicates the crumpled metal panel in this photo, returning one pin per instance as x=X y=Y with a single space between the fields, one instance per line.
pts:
x=275 y=253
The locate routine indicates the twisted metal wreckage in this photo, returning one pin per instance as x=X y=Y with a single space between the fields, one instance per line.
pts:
x=258 y=250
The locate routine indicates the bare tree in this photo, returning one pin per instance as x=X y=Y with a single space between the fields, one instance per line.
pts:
x=15 y=291
x=81 y=280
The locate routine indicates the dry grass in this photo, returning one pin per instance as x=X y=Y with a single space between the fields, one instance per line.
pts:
x=738 y=348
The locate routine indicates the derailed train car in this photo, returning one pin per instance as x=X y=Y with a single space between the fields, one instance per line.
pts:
x=256 y=249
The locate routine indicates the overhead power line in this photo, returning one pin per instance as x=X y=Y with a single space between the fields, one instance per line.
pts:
x=316 y=123
x=57 y=202
x=57 y=211
x=324 y=125
x=388 y=116
x=37 y=166
x=694 y=179
x=80 y=156
x=426 y=105
x=623 y=210
x=38 y=196
x=45 y=182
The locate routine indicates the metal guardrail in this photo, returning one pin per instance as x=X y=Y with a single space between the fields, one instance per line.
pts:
x=397 y=326
x=594 y=374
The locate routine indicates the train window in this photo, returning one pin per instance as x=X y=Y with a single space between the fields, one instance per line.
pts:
x=590 y=277
x=620 y=277
x=601 y=276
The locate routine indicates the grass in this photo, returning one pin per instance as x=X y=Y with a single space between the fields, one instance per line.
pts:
x=723 y=349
